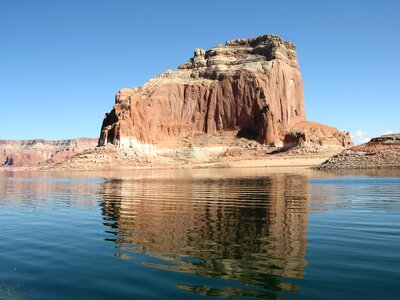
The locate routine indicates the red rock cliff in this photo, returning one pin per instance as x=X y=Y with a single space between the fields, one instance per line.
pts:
x=253 y=85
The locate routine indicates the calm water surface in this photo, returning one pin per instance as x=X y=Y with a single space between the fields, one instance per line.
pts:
x=195 y=234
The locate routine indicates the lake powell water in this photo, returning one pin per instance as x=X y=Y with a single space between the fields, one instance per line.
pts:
x=197 y=234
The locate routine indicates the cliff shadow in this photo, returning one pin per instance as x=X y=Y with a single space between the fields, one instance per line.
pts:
x=249 y=134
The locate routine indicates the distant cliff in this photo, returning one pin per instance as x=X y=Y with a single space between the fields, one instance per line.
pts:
x=30 y=153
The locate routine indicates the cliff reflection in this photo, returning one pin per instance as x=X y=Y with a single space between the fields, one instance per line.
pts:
x=248 y=230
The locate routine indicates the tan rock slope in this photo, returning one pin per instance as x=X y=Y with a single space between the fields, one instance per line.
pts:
x=249 y=86
x=31 y=153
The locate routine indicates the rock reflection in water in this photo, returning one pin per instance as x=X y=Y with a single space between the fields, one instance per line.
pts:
x=248 y=230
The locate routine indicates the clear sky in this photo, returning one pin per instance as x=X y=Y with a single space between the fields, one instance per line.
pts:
x=62 y=61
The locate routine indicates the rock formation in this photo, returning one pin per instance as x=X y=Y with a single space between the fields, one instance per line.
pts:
x=248 y=89
x=30 y=153
x=249 y=85
x=308 y=133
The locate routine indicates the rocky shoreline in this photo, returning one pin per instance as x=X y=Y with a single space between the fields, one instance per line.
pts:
x=380 y=152
x=209 y=151
x=202 y=151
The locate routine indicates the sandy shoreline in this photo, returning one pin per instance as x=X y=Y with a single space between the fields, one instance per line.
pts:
x=278 y=161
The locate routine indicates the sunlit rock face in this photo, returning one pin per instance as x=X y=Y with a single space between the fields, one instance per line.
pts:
x=250 y=85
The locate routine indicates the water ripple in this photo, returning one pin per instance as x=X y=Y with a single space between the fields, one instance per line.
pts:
x=269 y=236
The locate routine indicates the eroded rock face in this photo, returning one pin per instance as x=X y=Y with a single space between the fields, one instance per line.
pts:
x=248 y=85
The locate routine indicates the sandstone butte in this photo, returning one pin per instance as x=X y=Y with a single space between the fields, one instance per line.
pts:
x=252 y=87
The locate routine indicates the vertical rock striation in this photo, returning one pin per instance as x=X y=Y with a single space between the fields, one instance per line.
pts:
x=252 y=86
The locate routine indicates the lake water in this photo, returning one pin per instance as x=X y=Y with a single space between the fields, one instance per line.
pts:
x=196 y=234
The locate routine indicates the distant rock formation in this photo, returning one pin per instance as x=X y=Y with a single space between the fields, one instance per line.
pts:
x=387 y=138
x=31 y=153
x=379 y=152
x=252 y=86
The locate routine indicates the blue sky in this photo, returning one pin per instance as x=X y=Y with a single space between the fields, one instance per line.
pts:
x=62 y=62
